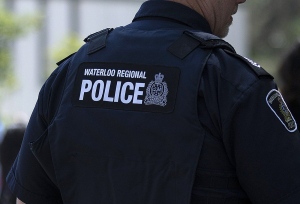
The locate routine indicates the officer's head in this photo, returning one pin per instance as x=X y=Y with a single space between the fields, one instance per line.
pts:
x=218 y=13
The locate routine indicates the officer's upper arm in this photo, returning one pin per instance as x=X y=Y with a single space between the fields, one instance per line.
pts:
x=22 y=182
x=264 y=146
x=258 y=131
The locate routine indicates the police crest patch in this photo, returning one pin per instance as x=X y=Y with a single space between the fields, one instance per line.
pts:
x=157 y=91
x=129 y=87
x=277 y=104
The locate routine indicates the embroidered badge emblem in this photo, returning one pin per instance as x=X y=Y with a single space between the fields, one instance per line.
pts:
x=157 y=91
x=278 y=106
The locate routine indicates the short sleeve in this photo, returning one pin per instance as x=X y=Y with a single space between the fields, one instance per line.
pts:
x=28 y=179
x=263 y=149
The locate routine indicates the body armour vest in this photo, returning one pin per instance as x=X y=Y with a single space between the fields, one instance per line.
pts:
x=127 y=128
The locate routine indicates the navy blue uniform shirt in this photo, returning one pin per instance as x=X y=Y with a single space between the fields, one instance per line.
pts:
x=251 y=147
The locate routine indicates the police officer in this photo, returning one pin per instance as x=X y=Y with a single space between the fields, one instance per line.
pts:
x=161 y=111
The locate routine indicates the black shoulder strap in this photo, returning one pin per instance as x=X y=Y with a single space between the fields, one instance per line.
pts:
x=97 y=40
x=61 y=61
x=189 y=41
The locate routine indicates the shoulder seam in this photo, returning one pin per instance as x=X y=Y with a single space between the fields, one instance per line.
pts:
x=255 y=67
x=238 y=100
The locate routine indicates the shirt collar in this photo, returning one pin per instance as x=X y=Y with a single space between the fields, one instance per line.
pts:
x=173 y=11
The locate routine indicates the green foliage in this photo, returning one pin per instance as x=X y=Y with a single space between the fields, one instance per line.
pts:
x=11 y=27
x=274 y=27
x=67 y=46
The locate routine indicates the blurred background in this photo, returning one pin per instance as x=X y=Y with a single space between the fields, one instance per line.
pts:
x=35 y=34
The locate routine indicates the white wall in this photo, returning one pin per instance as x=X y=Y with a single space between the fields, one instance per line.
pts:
x=23 y=97
x=238 y=33
x=94 y=16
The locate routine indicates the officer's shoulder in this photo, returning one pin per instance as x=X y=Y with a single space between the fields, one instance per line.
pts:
x=209 y=41
x=255 y=68
x=60 y=71
x=65 y=59
x=96 y=41
x=62 y=67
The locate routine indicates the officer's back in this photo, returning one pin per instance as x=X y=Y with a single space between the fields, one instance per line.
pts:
x=160 y=111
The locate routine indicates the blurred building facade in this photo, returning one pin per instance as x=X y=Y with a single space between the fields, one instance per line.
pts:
x=60 y=19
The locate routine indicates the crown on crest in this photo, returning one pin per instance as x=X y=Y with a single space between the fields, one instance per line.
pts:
x=159 y=77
